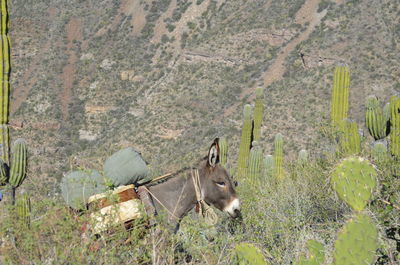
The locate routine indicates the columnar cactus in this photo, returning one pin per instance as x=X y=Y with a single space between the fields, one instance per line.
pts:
x=223 y=151
x=375 y=119
x=395 y=127
x=350 y=140
x=18 y=163
x=303 y=157
x=354 y=180
x=340 y=95
x=255 y=164
x=379 y=151
x=258 y=113
x=245 y=141
x=17 y=172
x=278 y=155
x=269 y=166
x=23 y=208
x=5 y=85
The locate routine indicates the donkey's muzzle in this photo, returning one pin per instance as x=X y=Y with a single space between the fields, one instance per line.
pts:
x=233 y=208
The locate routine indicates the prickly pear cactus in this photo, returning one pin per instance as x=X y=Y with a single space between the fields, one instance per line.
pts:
x=374 y=118
x=245 y=141
x=354 y=180
x=255 y=164
x=223 y=151
x=18 y=163
x=340 y=95
x=246 y=253
x=23 y=208
x=258 y=113
x=356 y=242
x=279 y=171
x=316 y=254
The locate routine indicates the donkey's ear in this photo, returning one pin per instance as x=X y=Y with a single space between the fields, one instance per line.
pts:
x=213 y=153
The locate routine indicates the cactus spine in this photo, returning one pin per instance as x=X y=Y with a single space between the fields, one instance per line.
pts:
x=340 y=95
x=223 y=151
x=23 y=207
x=245 y=141
x=375 y=119
x=255 y=164
x=258 y=113
x=278 y=155
x=395 y=127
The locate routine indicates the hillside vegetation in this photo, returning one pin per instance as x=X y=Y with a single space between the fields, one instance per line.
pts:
x=167 y=77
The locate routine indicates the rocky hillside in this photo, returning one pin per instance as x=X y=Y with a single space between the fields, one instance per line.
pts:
x=168 y=76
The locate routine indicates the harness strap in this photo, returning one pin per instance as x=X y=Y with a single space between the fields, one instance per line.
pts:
x=154 y=197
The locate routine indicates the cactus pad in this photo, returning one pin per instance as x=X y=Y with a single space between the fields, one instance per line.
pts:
x=247 y=253
x=354 y=180
x=316 y=254
x=357 y=242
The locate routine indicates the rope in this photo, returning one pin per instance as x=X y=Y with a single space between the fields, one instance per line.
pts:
x=152 y=195
x=205 y=210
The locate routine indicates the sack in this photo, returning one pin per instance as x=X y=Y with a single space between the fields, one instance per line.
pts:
x=126 y=167
x=78 y=186
x=113 y=208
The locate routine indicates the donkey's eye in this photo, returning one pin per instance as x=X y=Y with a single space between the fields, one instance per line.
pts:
x=220 y=184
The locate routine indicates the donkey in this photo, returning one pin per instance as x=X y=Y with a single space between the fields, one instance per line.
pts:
x=177 y=196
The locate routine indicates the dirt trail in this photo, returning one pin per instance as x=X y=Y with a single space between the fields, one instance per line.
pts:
x=20 y=94
x=74 y=32
x=306 y=14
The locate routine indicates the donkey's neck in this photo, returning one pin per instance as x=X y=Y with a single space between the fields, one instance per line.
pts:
x=175 y=197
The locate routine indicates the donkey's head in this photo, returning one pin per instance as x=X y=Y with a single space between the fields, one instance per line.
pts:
x=217 y=186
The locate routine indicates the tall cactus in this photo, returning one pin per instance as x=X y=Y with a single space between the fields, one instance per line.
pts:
x=245 y=141
x=269 y=166
x=340 y=95
x=395 y=127
x=255 y=164
x=278 y=155
x=5 y=85
x=258 y=113
x=223 y=151
x=350 y=139
x=17 y=172
x=23 y=207
x=374 y=118
x=18 y=163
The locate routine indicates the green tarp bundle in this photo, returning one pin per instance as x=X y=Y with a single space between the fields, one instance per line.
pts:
x=78 y=186
x=122 y=168
x=126 y=167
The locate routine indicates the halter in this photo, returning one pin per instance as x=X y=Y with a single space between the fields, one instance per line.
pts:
x=205 y=210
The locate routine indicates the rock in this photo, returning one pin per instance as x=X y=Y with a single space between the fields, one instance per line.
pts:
x=107 y=64
x=87 y=57
x=127 y=75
